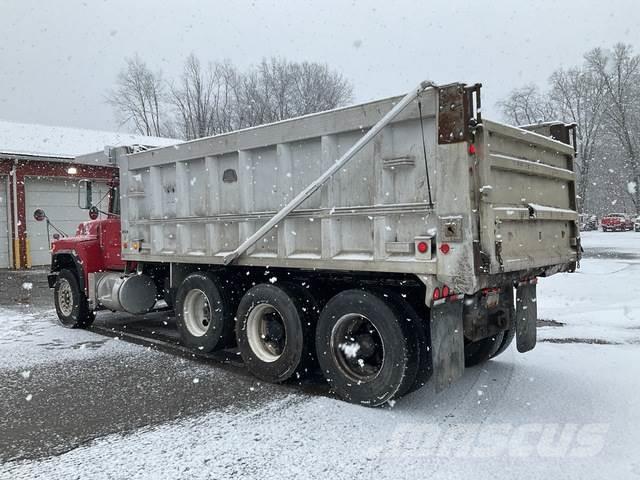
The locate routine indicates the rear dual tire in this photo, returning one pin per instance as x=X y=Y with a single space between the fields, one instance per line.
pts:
x=203 y=313
x=480 y=351
x=367 y=348
x=372 y=347
x=274 y=331
x=507 y=339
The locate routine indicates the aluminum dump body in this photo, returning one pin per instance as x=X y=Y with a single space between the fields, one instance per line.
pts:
x=508 y=206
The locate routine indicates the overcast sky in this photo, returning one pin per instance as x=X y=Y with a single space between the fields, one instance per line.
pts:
x=59 y=57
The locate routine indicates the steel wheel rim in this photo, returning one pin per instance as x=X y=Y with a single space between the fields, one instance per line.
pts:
x=65 y=297
x=197 y=312
x=357 y=347
x=266 y=332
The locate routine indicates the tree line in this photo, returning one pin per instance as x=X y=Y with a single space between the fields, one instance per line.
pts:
x=601 y=95
x=217 y=97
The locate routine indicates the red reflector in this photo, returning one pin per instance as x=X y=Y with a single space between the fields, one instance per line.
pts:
x=423 y=247
x=436 y=293
x=444 y=248
x=445 y=291
x=472 y=149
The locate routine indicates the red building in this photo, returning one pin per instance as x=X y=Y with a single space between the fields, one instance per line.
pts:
x=37 y=170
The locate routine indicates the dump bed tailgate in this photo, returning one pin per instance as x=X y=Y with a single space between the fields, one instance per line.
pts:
x=526 y=198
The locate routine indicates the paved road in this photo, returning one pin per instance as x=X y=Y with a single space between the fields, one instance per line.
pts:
x=60 y=388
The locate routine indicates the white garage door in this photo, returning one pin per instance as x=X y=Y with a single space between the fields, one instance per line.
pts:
x=5 y=238
x=58 y=197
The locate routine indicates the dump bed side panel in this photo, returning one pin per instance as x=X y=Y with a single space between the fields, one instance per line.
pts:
x=527 y=200
x=197 y=201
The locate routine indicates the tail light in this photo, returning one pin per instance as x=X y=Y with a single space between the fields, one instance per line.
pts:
x=424 y=247
x=436 y=293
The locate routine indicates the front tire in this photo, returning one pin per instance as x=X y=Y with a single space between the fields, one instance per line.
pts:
x=365 y=347
x=70 y=301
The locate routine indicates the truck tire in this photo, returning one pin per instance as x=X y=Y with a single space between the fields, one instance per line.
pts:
x=365 y=347
x=274 y=326
x=422 y=335
x=71 y=303
x=203 y=314
x=507 y=338
x=482 y=350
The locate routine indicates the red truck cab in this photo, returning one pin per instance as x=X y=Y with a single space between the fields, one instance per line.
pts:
x=95 y=247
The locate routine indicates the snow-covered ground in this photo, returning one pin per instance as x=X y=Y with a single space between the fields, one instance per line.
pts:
x=568 y=409
x=601 y=301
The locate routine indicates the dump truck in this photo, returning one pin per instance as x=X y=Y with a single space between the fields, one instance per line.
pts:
x=386 y=245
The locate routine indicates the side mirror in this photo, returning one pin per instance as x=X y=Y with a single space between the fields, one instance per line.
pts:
x=94 y=213
x=84 y=194
x=39 y=215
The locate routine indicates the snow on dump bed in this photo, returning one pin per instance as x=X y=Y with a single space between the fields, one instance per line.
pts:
x=66 y=142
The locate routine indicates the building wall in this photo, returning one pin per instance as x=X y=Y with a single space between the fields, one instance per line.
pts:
x=19 y=167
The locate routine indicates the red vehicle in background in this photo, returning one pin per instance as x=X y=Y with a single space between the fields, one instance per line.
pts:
x=617 y=222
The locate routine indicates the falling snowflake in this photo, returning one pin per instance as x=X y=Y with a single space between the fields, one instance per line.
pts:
x=350 y=349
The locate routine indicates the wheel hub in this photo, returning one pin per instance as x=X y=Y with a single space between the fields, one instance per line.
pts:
x=266 y=332
x=357 y=347
x=197 y=312
x=65 y=297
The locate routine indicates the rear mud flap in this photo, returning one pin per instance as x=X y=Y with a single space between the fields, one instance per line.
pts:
x=447 y=343
x=526 y=317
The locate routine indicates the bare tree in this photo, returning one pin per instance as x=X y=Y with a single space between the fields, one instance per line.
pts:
x=138 y=98
x=578 y=96
x=318 y=88
x=526 y=106
x=619 y=72
x=192 y=99
x=278 y=89
x=217 y=98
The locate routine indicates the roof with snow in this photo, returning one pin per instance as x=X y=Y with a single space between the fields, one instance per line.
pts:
x=65 y=142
